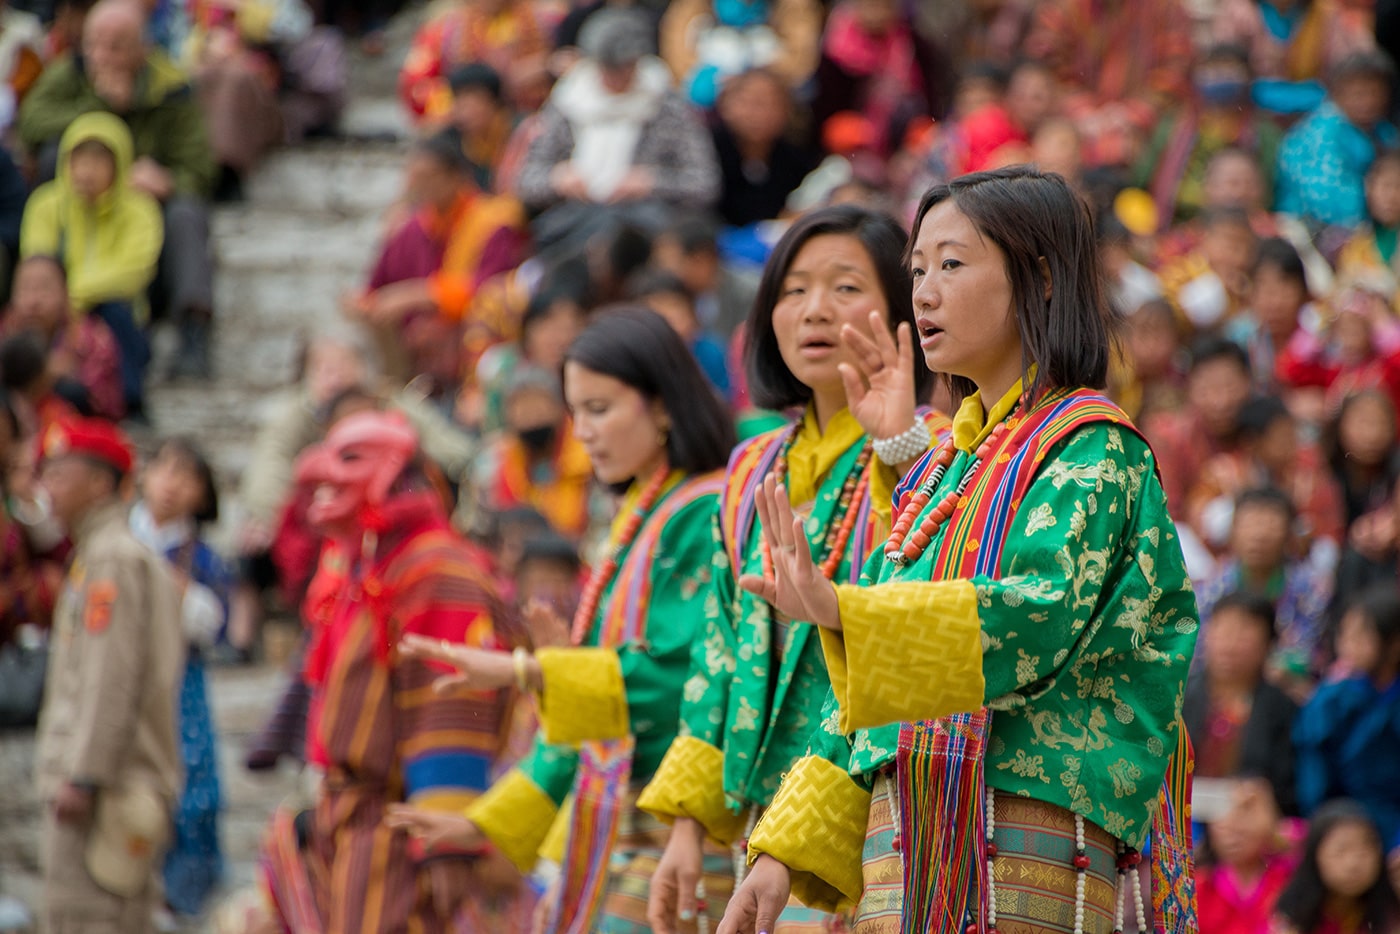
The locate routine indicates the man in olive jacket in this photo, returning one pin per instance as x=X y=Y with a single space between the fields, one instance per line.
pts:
x=116 y=72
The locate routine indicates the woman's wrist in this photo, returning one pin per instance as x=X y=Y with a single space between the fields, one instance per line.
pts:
x=903 y=449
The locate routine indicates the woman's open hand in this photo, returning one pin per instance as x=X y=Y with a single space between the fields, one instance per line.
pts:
x=879 y=378
x=477 y=669
x=798 y=589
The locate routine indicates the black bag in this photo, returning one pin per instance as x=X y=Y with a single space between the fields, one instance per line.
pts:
x=21 y=684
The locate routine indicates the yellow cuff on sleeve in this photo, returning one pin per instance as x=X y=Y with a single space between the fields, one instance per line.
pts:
x=913 y=651
x=690 y=783
x=584 y=695
x=515 y=814
x=557 y=840
x=816 y=827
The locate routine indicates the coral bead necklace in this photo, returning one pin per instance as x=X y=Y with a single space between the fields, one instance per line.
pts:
x=599 y=579
x=905 y=548
x=837 y=535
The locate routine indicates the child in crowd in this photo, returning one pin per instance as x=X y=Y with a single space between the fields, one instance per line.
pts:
x=178 y=498
x=551 y=322
x=1261 y=557
x=1244 y=865
x=535 y=460
x=1340 y=886
x=82 y=351
x=1240 y=723
x=667 y=295
x=1148 y=376
x=1360 y=444
x=548 y=573
x=1348 y=736
x=1271 y=453
x=689 y=249
x=1279 y=298
x=1373 y=245
x=1360 y=349
x=1211 y=286
x=107 y=234
x=1217 y=386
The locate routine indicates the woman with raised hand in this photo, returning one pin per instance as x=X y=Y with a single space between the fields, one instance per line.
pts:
x=609 y=701
x=1006 y=680
x=758 y=679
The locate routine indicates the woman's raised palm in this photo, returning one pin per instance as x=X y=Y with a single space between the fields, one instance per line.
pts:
x=879 y=378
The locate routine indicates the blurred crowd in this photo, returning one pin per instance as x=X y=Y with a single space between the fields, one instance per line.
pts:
x=1240 y=157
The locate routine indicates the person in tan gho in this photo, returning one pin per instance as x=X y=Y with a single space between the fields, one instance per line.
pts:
x=108 y=761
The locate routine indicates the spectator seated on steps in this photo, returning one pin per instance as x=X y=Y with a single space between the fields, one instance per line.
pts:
x=106 y=232
x=457 y=238
x=616 y=141
x=117 y=74
x=81 y=347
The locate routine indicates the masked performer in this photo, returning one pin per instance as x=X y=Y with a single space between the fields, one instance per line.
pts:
x=393 y=568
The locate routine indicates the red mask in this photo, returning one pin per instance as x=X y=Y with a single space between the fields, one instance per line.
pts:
x=355 y=467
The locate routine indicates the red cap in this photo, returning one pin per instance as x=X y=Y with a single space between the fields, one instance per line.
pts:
x=88 y=437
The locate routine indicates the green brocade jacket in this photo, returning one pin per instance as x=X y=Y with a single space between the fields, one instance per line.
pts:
x=607 y=692
x=1080 y=647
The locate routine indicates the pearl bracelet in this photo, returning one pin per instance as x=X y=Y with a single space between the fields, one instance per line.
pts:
x=905 y=446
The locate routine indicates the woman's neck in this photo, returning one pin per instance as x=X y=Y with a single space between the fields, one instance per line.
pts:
x=826 y=403
x=994 y=390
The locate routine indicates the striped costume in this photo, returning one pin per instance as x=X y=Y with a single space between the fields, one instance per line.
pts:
x=743 y=725
x=1046 y=630
x=384 y=736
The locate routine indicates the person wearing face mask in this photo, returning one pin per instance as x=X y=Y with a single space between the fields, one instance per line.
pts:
x=1292 y=43
x=609 y=702
x=536 y=461
x=1219 y=114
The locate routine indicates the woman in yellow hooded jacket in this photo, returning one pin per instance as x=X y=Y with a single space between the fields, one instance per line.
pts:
x=107 y=235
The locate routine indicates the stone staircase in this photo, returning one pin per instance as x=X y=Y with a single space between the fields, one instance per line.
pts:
x=305 y=234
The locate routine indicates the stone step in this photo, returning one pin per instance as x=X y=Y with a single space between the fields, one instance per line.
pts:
x=281 y=300
x=340 y=178
x=249 y=238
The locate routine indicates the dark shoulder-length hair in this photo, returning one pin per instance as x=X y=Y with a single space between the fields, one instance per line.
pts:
x=1301 y=902
x=1041 y=226
x=636 y=346
x=771 y=383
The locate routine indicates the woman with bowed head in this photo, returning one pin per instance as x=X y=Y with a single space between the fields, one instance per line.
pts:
x=744 y=724
x=1006 y=679
x=610 y=698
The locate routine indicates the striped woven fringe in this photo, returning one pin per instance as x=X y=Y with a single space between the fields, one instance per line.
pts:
x=942 y=836
x=1173 y=875
x=600 y=797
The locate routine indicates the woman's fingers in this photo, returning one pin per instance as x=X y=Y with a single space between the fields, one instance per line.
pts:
x=764 y=588
x=765 y=517
x=432 y=650
x=904 y=351
x=883 y=340
x=865 y=353
x=403 y=817
x=451 y=684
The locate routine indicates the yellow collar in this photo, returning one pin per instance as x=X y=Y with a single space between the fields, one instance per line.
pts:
x=972 y=424
x=632 y=499
x=814 y=452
